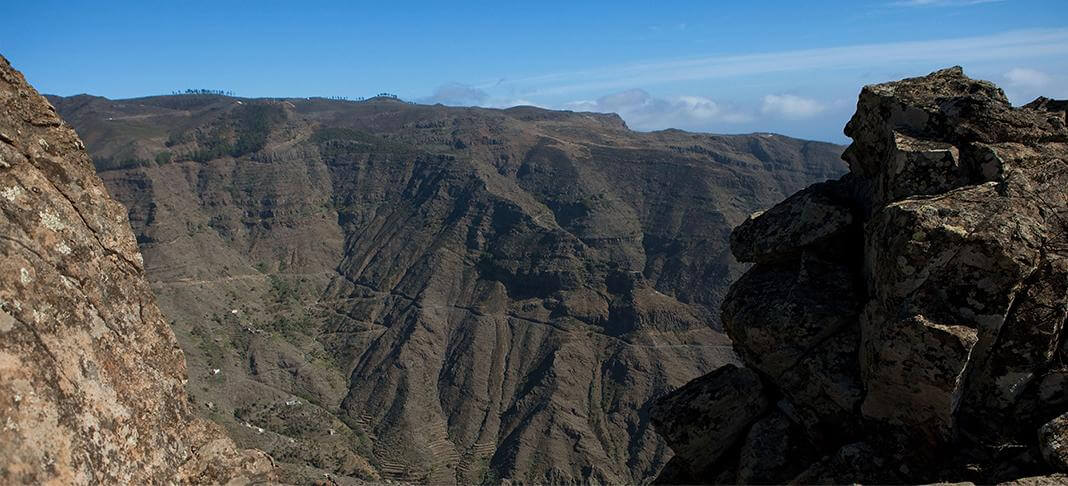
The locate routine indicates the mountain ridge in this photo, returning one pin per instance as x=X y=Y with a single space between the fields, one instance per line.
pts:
x=433 y=293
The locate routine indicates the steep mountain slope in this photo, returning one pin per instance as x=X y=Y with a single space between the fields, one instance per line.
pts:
x=437 y=294
x=91 y=377
x=905 y=323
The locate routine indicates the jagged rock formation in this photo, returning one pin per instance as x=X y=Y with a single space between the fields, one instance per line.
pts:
x=92 y=382
x=907 y=320
x=437 y=294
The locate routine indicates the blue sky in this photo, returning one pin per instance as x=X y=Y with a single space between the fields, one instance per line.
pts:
x=790 y=67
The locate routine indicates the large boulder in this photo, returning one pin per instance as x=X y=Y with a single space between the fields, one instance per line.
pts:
x=706 y=417
x=774 y=451
x=1053 y=441
x=796 y=323
x=823 y=390
x=909 y=317
x=92 y=382
x=778 y=313
x=1012 y=385
x=810 y=217
x=913 y=137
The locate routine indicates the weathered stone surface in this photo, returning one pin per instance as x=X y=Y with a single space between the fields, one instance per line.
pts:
x=1053 y=441
x=704 y=418
x=916 y=377
x=857 y=462
x=797 y=322
x=1047 y=480
x=92 y=382
x=774 y=451
x=897 y=123
x=1003 y=399
x=944 y=271
x=1052 y=389
x=810 y=217
x=1049 y=105
x=919 y=167
x=824 y=389
x=946 y=268
x=778 y=313
x=958 y=357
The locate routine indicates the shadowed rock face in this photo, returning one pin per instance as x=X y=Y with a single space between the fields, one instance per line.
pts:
x=437 y=294
x=909 y=317
x=92 y=382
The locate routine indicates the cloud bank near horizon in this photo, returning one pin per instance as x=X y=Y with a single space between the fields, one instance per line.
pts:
x=744 y=92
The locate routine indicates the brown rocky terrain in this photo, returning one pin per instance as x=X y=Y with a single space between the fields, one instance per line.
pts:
x=387 y=290
x=904 y=323
x=92 y=381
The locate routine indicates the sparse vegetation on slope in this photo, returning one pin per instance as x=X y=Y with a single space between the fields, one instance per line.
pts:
x=474 y=294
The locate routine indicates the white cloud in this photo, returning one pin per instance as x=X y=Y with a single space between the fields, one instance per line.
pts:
x=941 y=3
x=702 y=108
x=643 y=111
x=581 y=105
x=791 y=106
x=1028 y=78
x=456 y=94
x=1022 y=85
x=508 y=103
x=1011 y=45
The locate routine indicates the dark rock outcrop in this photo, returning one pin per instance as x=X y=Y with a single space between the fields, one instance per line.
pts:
x=707 y=415
x=92 y=382
x=909 y=317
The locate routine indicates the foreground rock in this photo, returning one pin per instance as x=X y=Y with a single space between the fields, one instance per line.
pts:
x=910 y=316
x=702 y=419
x=1053 y=440
x=92 y=382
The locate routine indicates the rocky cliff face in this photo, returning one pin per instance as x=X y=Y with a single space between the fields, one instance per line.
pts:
x=431 y=293
x=904 y=323
x=92 y=382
